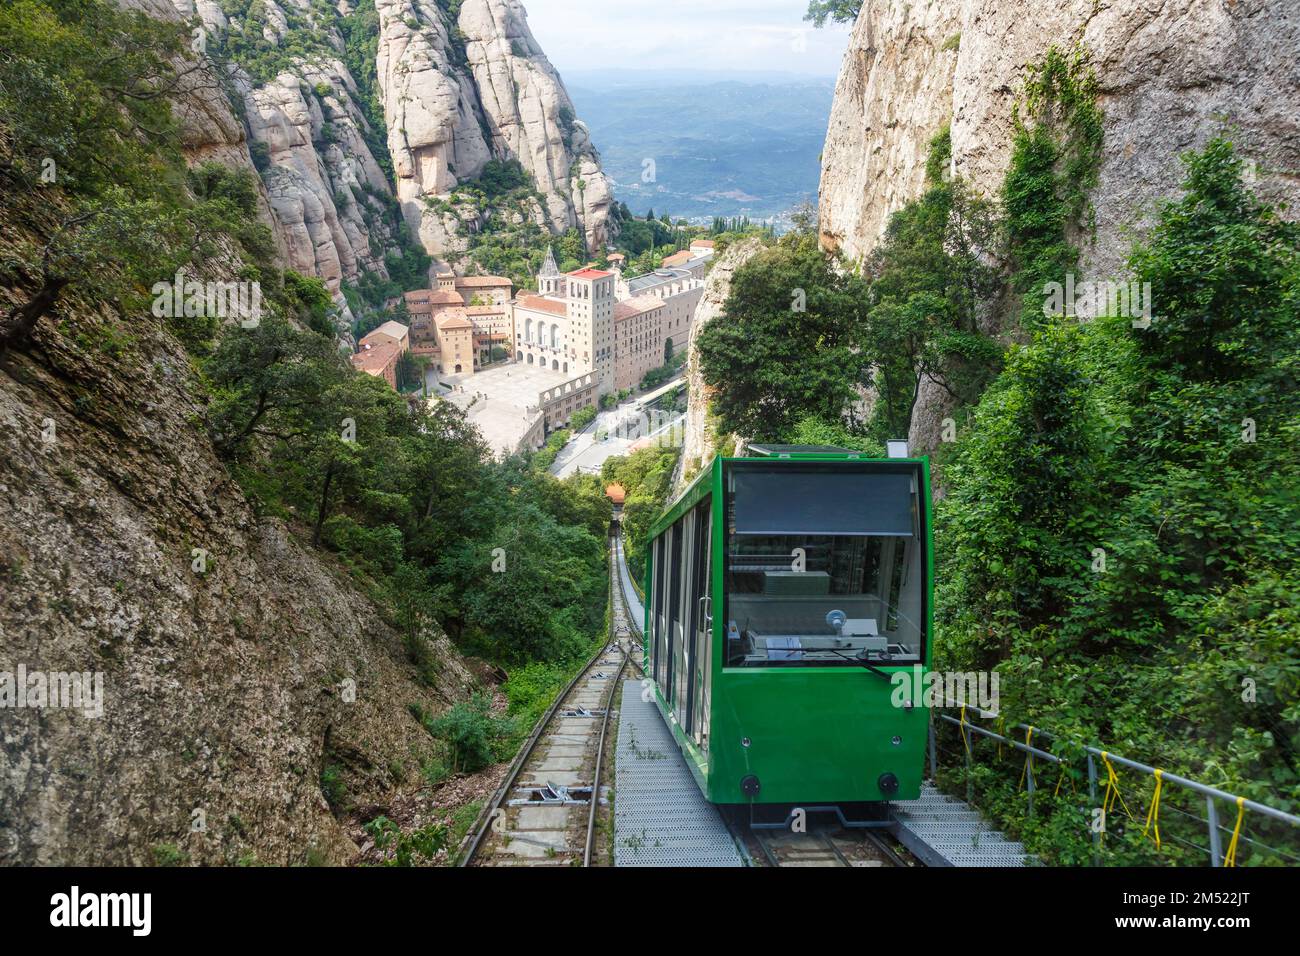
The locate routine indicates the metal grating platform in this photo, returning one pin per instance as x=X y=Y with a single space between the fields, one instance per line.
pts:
x=660 y=816
x=636 y=610
x=944 y=831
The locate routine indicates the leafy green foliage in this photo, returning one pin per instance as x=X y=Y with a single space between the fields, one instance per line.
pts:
x=503 y=178
x=928 y=283
x=1120 y=542
x=334 y=788
x=646 y=477
x=93 y=178
x=671 y=368
x=1055 y=160
x=409 y=496
x=809 y=331
x=841 y=11
x=407 y=848
x=469 y=730
x=784 y=350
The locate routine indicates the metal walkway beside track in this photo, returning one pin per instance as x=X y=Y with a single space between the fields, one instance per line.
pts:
x=943 y=831
x=660 y=816
x=635 y=608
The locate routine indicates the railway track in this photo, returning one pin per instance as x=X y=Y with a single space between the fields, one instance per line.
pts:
x=545 y=811
x=833 y=847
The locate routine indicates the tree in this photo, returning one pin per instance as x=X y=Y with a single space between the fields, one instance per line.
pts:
x=929 y=280
x=784 y=349
x=1122 y=520
x=646 y=477
x=841 y=11
x=101 y=152
x=1221 y=261
x=263 y=379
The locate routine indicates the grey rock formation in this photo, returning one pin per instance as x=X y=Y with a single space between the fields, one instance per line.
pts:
x=458 y=95
x=326 y=188
x=239 y=668
x=227 y=691
x=454 y=95
x=1171 y=75
x=699 y=444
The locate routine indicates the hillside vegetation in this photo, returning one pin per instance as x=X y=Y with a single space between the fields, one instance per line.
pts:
x=264 y=550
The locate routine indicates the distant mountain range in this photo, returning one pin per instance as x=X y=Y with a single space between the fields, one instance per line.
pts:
x=721 y=145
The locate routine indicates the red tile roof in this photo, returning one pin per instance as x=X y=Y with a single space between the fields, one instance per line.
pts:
x=540 y=303
x=637 y=305
x=453 y=320
x=590 y=274
x=376 y=358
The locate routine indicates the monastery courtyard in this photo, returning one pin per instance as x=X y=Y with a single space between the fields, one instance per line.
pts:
x=497 y=400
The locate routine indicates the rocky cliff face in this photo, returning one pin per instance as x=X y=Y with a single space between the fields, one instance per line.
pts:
x=457 y=94
x=239 y=668
x=326 y=188
x=1170 y=75
x=452 y=92
x=245 y=678
x=894 y=93
x=699 y=441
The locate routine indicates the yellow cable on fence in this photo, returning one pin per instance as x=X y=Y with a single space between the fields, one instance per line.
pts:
x=1153 y=812
x=1002 y=730
x=1061 y=778
x=964 y=738
x=1230 y=858
x=1028 y=757
x=1112 y=789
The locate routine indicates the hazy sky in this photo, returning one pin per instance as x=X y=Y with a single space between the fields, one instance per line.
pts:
x=685 y=34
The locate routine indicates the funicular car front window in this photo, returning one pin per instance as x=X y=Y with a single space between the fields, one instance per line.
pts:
x=825 y=566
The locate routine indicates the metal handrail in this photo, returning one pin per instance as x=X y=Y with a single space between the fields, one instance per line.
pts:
x=1201 y=788
x=1211 y=794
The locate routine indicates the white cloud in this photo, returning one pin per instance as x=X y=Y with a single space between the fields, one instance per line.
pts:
x=732 y=35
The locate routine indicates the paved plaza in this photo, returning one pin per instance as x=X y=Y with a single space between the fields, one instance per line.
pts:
x=496 y=400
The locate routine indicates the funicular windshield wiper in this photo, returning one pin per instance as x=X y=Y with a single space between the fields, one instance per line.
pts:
x=863 y=662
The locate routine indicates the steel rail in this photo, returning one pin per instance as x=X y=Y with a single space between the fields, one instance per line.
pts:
x=484 y=822
x=876 y=840
x=517 y=765
x=604 y=724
